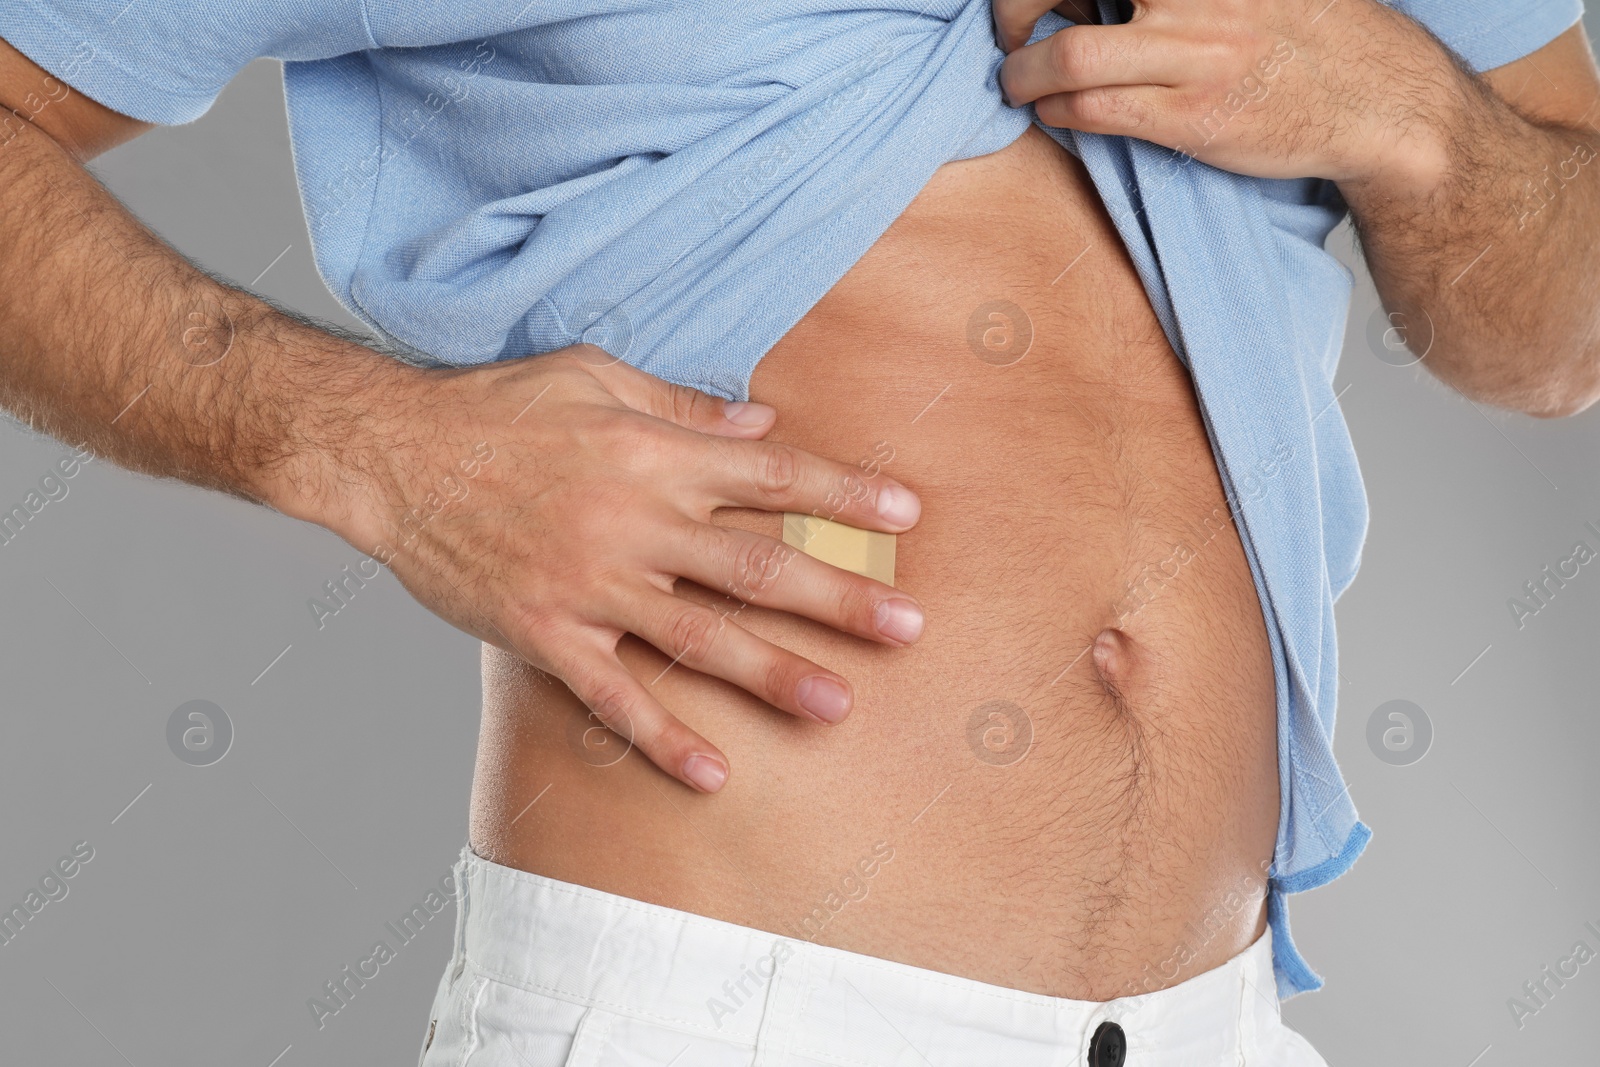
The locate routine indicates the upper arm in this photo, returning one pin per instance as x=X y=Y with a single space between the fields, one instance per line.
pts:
x=80 y=125
x=1557 y=84
x=161 y=61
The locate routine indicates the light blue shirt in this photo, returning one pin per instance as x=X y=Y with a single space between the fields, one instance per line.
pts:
x=681 y=182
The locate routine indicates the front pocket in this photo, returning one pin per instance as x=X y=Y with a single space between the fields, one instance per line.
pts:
x=514 y=1027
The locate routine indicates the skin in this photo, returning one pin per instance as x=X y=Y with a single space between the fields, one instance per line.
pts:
x=1078 y=759
x=115 y=341
x=1521 y=335
x=534 y=566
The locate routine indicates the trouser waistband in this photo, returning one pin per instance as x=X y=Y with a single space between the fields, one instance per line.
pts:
x=717 y=979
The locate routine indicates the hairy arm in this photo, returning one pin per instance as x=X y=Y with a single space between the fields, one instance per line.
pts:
x=550 y=532
x=115 y=342
x=1484 y=239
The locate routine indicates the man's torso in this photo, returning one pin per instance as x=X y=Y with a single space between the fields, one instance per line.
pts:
x=1015 y=798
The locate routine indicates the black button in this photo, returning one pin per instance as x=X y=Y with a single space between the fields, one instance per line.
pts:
x=1108 y=1047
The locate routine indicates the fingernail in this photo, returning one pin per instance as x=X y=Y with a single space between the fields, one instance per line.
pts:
x=1005 y=94
x=898 y=506
x=824 y=698
x=706 y=773
x=745 y=413
x=899 y=620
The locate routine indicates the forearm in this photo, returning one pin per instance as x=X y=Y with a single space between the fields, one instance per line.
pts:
x=113 y=341
x=1484 y=243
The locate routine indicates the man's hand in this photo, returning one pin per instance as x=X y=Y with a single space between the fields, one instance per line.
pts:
x=1268 y=88
x=1475 y=196
x=548 y=505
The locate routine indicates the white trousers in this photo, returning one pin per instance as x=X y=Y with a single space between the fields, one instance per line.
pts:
x=547 y=974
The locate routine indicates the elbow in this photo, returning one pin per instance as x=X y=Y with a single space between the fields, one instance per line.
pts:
x=1558 y=389
x=1562 y=407
x=1566 y=392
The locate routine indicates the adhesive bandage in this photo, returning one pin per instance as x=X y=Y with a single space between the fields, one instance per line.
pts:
x=865 y=552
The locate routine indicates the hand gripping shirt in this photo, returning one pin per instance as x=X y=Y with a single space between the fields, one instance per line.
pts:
x=680 y=183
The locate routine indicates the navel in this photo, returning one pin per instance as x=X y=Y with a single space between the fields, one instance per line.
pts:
x=1113 y=657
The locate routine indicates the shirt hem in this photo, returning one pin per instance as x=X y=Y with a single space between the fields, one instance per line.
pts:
x=127 y=93
x=1294 y=975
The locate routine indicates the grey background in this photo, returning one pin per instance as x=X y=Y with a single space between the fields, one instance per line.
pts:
x=225 y=896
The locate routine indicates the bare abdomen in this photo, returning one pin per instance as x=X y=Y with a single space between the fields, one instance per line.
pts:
x=1073 y=774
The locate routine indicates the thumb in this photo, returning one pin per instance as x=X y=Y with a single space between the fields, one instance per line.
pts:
x=1014 y=20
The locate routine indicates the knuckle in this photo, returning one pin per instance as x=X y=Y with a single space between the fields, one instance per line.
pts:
x=854 y=603
x=597 y=429
x=706 y=542
x=568 y=661
x=690 y=407
x=1075 y=53
x=1102 y=107
x=777 y=470
x=780 y=677
x=855 y=487
x=1220 y=79
x=563 y=361
x=1195 y=103
x=757 y=565
x=1091 y=108
x=691 y=631
x=848 y=489
x=536 y=623
x=666 y=743
x=609 y=699
x=632 y=443
x=1241 y=36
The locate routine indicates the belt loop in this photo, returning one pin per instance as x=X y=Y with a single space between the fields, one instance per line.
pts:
x=780 y=1010
x=458 y=953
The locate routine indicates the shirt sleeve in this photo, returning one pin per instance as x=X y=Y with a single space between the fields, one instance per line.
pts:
x=165 y=61
x=1491 y=33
